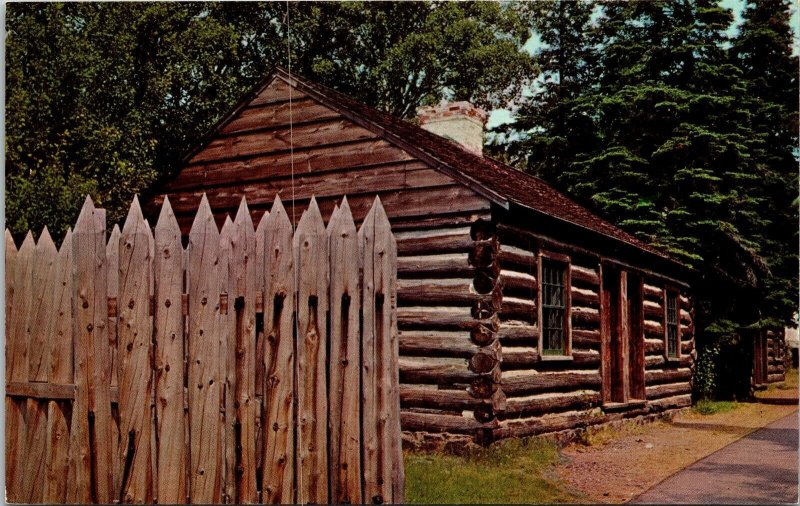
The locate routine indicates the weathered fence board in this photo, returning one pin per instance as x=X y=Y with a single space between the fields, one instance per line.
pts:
x=112 y=289
x=135 y=370
x=168 y=270
x=37 y=329
x=242 y=296
x=256 y=365
x=279 y=359
x=311 y=258
x=59 y=347
x=380 y=391
x=205 y=383
x=227 y=365
x=345 y=436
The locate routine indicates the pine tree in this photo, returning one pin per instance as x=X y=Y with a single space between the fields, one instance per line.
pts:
x=550 y=127
x=670 y=150
x=763 y=51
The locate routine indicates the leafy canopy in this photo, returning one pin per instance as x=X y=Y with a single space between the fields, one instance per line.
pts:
x=105 y=98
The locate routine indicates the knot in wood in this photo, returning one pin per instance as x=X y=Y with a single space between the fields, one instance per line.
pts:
x=166 y=367
x=129 y=347
x=85 y=304
x=166 y=252
x=167 y=303
x=90 y=327
x=131 y=303
x=204 y=301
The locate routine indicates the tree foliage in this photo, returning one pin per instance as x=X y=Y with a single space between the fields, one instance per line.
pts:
x=680 y=134
x=105 y=98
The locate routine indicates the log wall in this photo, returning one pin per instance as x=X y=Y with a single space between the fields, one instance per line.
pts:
x=467 y=282
x=546 y=395
x=776 y=356
x=668 y=382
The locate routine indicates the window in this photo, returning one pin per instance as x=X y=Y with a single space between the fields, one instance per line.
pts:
x=554 y=297
x=671 y=325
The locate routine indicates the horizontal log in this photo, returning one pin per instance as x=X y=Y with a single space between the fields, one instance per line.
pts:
x=654 y=346
x=431 y=397
x=653 y=309
x=514 y=258
x=679 y=401
x=551 y=402
x=584 y=275
x=667 y=376
x=528 y=382
x=654 y=329
x=435 y=422
x=668 y=390
x=519 y=357
x=433 y=343
x=434 y=370
x=515 y=282
x=653 y=292
x=518 y=332
x=441 y=318
x=585 y=316
x=686 y=318
x=554 y=422
x=449 y=292
x=425 y=242
x=588 y=339
x=584 y=296
x=448 y=264
x=776 y=378
x=515 y=308
x=772 y=369
x=685 y=303
x=657 y=361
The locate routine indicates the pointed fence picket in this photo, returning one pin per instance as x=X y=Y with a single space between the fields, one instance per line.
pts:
x=258 y=365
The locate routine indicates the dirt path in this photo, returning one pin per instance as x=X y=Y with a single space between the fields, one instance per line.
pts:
x=760 y=468
x=621 y=464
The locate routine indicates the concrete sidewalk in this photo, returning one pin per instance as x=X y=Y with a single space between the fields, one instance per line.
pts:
x=760 y=468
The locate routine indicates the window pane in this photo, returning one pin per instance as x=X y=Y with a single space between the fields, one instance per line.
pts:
x=553 y=306
x=673 y=340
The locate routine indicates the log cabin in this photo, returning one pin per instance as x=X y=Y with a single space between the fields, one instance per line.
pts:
x=520 y=312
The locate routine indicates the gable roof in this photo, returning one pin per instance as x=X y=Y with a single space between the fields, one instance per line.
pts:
x=500 y=183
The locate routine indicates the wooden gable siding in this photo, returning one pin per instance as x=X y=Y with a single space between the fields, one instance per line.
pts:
x=431 y=215
x=258 y=154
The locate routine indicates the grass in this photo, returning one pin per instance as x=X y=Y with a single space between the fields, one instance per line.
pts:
x=708 y=407
x=511 y=471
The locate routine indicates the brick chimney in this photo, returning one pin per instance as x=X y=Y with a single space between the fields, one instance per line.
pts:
x=461 y=122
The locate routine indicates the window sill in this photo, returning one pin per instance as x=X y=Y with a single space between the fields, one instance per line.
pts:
x=556 y=358
x=673 y=360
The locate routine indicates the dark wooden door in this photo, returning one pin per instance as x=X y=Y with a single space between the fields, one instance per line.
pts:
x=760 y=357
x=622 y=336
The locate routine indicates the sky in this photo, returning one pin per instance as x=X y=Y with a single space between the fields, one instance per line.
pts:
x=501 y=116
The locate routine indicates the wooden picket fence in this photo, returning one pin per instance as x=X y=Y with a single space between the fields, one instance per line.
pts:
x=257 y=365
